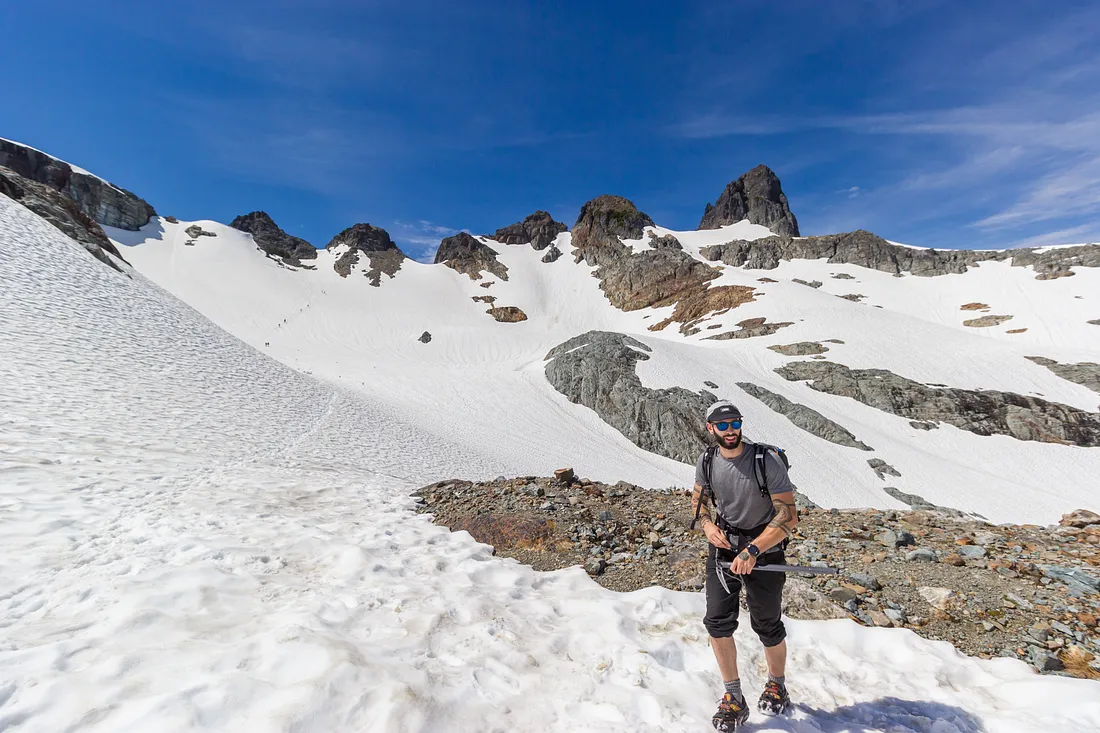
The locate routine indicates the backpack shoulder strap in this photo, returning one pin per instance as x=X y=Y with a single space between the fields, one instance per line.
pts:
x=760 y=467
x=708 y=458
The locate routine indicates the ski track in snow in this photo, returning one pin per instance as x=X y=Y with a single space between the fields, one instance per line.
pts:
x=197 y=537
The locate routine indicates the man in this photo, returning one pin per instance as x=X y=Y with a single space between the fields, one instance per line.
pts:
x=749 y=530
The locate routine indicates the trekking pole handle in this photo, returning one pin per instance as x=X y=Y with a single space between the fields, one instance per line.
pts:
x=800 y=569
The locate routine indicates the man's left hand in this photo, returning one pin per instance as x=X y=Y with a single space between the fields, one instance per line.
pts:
x=743 y=563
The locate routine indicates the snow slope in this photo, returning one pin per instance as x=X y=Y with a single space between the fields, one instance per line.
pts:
x=366 y=339
x=197 y=537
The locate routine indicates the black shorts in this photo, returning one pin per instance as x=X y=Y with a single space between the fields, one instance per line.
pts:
x=763 y=596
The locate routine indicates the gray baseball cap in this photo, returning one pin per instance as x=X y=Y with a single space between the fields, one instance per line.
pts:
x=723 y=411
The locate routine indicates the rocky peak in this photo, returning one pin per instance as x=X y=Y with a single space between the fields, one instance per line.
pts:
x=603 y=222
x=539 y=229
x=470 y=256
x=273 y=240
x=373 y=242
x=103 y=202
x=756 y=196
x=364 y=237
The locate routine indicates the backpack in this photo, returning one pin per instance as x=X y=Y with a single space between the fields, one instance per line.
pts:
x=761 y=450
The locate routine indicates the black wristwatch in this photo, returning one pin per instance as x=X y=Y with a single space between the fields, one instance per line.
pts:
x=753 y=550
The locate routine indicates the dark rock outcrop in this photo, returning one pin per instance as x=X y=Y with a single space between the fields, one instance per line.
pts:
x=470 y=256
x=882 y=469
x=868 y=250
x=273 y=240
x=62 y=212
x=650 y=278
x=552 y=254
x=1085 y=373
x=666 y=241
x=984 y=412
x=372 y=242
x=425 y=338
x=756 y=196
x=598 y=370
x=807 y=418
x=103 y=202
x=602 y=223
x=539 y=229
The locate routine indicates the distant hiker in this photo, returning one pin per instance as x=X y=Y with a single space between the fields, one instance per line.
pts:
x=748 y=484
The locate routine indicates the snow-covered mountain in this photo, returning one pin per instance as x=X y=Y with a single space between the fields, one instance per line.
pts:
x=480 y=384
x=206 y=461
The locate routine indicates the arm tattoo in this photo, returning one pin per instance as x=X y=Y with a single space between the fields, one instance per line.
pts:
x=700 y=499
x=786 y=516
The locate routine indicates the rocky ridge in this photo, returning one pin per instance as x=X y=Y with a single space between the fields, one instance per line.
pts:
x=538 y=229
x=273 y=241
x=62 y=212
x=983 y=412
x=865 y=249
x=1018 y=591
x=101 y=201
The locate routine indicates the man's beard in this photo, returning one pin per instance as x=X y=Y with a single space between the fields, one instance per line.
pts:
x=730 y=442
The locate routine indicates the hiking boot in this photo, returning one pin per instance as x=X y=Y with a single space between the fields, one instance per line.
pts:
x=731 y=713
x=774 y=700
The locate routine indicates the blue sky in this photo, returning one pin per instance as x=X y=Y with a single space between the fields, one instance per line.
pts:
x=945 y=124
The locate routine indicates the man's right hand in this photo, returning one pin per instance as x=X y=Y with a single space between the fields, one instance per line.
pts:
x=716 y=536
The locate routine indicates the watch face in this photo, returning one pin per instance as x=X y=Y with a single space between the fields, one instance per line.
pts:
x=754 y=550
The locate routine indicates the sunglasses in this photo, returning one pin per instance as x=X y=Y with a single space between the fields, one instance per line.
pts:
x=722 y=426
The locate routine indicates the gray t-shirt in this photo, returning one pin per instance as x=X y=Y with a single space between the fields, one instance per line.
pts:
x=736 y=493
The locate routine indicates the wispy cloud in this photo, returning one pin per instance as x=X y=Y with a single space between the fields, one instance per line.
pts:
x=420 y=239
x=1084 y=234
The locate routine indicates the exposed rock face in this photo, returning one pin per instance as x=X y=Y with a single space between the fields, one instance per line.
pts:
x=103 y=202
x=273 y=240
x=868 y=250
x=602 y=223
x=756 y=196
x=62 y=212
x=470 y=256
x=552 y=254
x=986 y=321
x=425 y=338
x=372 y=242
x=507 y=314
x=1086 y=373
x=653 y=278
x=598 y=370
x=985 y=412
x=539 y=229
x=802 y=348
x=195 y=231
x=808 y=419
x=751 y=328
x=694 y=305
x=882 y=469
